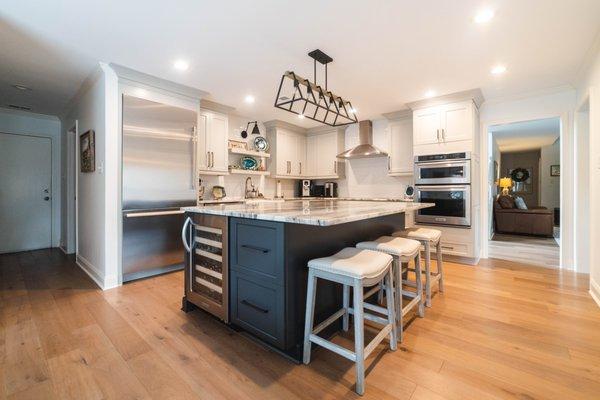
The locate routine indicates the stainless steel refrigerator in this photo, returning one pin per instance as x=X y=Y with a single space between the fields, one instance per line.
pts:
x=158 y=179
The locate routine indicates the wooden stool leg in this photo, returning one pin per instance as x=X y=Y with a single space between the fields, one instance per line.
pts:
x=419 y=284
x=398 y=298
x=427 y=273
x=346 y=317
x=359 y=340
x=391 y=308
x=440 y=267
x=311 y=292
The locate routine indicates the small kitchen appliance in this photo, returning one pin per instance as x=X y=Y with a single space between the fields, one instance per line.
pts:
x=306 y=188
x=331 y=189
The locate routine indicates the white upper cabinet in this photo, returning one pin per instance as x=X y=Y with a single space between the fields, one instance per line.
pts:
x=212 y=142
x=400 y=147
x=443 y=124
x=322 y=150
x=297 y=155
x=426 y=126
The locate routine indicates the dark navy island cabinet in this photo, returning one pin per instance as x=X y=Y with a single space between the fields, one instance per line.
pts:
x=268 y=273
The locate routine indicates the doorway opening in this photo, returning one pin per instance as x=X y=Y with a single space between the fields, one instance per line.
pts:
x=525 y=192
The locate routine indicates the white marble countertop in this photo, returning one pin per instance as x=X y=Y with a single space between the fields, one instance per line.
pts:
x=322 y=212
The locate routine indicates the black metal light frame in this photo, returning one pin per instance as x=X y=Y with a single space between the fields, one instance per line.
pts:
x=304 y=94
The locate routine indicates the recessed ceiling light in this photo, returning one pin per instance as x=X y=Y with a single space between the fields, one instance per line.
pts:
x=483 y=16
x=430 y=93
x=353 y=110
x=301 y=116
x=21 y=87
x=181 y=65
x=249 y=99
x=498 y=70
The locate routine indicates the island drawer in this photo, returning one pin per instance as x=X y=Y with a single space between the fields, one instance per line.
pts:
x=258 y=307
x=257 y=248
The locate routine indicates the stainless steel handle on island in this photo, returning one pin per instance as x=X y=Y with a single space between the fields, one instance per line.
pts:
x=184 y=230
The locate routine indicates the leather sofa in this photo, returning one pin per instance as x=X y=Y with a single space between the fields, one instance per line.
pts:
x=537 y=221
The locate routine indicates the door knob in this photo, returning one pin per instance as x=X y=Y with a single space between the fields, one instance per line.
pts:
x=47 y=198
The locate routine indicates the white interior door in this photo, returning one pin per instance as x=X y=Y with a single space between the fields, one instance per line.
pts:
x=26 y=193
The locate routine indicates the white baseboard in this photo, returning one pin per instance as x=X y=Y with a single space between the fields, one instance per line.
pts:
x=91 y=270
x=595 y=291
x=63 y=250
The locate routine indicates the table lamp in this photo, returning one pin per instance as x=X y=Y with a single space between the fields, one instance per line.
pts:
x=505 y=184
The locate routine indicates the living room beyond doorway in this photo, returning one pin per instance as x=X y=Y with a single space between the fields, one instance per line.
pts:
x=526 y=199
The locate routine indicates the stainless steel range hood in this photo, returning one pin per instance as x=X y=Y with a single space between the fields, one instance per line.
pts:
x=365 y=149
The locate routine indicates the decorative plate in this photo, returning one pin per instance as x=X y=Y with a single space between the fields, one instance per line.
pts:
x=249 y=163
x=218 y=192
x=261 y=144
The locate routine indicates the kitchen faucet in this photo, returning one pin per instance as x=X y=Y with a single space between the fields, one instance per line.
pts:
x=252 y=193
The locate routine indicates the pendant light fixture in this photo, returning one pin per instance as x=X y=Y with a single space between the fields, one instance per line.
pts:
x=307 y=99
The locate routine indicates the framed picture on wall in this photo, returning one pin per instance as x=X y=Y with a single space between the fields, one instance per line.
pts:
x=87 y=150
x=555 y=170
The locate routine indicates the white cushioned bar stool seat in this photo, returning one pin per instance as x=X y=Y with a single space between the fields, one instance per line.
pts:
x=428 y=237
x=404 y=251
x=433 y=235
x=358 y=269
x=353 y=262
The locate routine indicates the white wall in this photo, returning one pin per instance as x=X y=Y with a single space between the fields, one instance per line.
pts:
x=549 y=185
x=88 y=109
x=589 y=87
x=367 y=177
x=559 y=102
x=26 y=123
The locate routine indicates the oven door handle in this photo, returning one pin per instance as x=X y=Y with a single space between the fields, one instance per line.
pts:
x=442 y=164
x=443 y=188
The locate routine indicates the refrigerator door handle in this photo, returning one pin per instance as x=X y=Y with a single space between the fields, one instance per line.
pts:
x=152 y=213
x=184 y=234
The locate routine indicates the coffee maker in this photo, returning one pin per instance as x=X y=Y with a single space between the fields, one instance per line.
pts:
x=306 y=188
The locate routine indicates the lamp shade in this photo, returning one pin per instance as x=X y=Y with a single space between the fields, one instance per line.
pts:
x=505 y=183
x=255 y=130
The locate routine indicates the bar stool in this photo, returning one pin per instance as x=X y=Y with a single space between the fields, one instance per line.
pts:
x=359 y=269
x=428 y=237
x=403 y=251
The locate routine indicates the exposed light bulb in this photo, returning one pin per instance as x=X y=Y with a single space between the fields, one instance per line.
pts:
x=301 y=116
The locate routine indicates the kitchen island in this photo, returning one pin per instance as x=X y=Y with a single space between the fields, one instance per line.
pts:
x=246 y=263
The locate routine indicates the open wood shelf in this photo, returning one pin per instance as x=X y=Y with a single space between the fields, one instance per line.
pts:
x=240 y=171
x=252 y=153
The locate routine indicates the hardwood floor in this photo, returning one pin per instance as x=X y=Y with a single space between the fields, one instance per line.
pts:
x=501 y=330
x=541 y=251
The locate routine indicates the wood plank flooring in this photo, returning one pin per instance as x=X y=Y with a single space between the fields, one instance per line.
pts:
x=502 y=330
x=540 y=251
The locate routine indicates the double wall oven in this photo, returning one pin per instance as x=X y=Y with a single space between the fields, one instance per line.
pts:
x=444 y=179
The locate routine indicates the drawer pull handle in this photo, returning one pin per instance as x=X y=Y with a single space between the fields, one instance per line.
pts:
x=448 y=247
x=255 y=248
x=257 y=308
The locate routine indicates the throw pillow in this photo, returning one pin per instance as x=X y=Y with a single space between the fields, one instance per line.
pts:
x=506 y=202
x=520 y=203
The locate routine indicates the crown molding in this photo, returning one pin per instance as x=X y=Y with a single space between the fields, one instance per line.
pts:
x=534 y=93
x=279 y=124
x=217 y=107
x=158 y=83
x=472 y=94
x=400 y=114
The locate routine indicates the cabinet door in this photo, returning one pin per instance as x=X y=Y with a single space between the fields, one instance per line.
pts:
x=426 y=126
x=457 y=122
x=299 y=156
x=312 y=148
x=400 y=147
x=202 y=155
x=326 y=154
x=217 y=142
x=284 y=147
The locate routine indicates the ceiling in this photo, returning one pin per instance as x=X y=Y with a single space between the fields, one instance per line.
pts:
x=386 y=53
x=528 y=135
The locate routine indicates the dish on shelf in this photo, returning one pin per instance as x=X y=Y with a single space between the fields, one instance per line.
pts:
x=261 y=144
x=218 y=192
x=249 y=163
